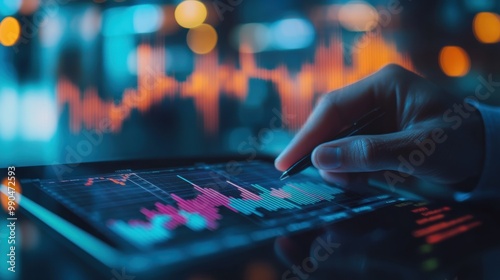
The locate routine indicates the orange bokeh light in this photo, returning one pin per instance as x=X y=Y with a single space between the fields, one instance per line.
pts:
x=486 y=27
x=202 y=39
x=4 y=198
x=454 y=61
x=190 y=13
x=10 y=30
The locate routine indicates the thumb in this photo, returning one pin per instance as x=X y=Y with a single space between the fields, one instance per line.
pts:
x=365 y=153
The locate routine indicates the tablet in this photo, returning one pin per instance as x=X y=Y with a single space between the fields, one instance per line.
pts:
x=149 y=218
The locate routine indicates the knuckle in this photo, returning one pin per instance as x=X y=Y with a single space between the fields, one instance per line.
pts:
x=394 y=71
x=329 y=99
x=393 y=68
x=365 y=152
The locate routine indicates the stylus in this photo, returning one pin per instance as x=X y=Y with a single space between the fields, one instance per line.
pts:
x=356 y=128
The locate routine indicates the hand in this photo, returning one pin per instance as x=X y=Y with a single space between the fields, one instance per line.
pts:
x=425 y=132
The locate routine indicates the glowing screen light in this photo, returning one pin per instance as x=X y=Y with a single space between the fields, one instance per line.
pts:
x=454 y=61
x=190 y=13
x=486 y=27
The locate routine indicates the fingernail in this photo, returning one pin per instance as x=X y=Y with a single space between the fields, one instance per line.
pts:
x=327 y=158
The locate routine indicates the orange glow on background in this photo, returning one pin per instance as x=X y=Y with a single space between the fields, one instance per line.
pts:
x=10 y=30
x=209 y=79
x=486 y=27
x=202 y=39
x=4 y=199
x=190 y=13
x=454 y=61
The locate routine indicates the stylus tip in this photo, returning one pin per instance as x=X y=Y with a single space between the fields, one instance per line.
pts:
x=284 y=176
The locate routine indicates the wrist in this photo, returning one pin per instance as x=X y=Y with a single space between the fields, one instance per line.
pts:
x=488 y=183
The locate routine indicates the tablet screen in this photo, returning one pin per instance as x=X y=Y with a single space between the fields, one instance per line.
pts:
x=218 y=205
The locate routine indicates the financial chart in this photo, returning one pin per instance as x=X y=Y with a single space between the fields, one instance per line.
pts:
x=172 y=206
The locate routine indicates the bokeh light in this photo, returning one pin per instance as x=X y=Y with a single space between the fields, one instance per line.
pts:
x=292 y=33
x=479 y=5
x=255 y=37
x=4 y=198
x=51 y=32
x=190 y=13
x=8 y=113
x=454 y=61
x=202 y=39
x=10 y=30
x=90 y=23
x=147 y=18
x=358 y=16
x=41 y=124
x=486 y=27
x=9 y=7
x=260 y=270
x=29 y=6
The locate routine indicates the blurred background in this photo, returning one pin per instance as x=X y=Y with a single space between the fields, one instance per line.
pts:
x=119 y=79
x=84 y=80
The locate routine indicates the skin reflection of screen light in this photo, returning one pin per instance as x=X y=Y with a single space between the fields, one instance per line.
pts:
x=486 y=27
x=454 y=61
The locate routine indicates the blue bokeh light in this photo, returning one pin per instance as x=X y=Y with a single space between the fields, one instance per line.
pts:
x=9 y=7
x=292 y=33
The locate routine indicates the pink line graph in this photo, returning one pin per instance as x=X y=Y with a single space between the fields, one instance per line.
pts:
x=280 y=193
x=246 y=194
